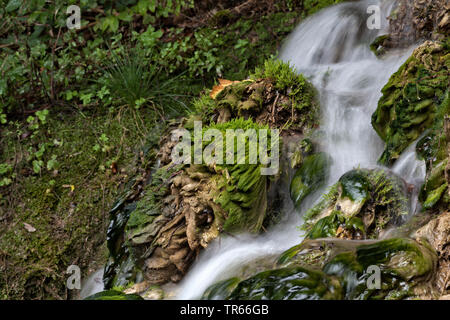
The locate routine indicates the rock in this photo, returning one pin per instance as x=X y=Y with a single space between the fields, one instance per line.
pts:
x=360 y=206
x=296 y=283
x=179 y=209
x=221 y=290
x=412 y=20
x=309 y=177
x=405 y=265
x=437 y=233
x=414 y=99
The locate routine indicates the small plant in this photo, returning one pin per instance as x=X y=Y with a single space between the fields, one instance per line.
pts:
x=136 y=81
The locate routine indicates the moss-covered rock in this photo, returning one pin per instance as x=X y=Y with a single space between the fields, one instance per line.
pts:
x=296 y=283
x=309 y=177
x=415 y=97
x=434 y=148
x=155 y=235
x=113 y=295
x=405 y=265
x=221 y=290
x=275 y=95
x=360 y=206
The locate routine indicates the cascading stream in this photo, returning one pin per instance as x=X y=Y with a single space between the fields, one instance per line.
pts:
x=332 y=49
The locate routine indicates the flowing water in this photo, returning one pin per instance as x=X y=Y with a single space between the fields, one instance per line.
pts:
x=332 y=49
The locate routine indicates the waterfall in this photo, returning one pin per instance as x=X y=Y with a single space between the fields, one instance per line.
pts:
x=332 y=49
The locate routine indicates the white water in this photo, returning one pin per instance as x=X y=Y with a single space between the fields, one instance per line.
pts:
x=332 y=50
x=92 y=285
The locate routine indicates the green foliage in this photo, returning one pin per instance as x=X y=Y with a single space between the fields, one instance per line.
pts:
x=135 y=80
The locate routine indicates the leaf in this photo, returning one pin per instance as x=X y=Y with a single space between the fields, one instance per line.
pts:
x=152 y=6
x=13 y=5
x=29 y=227
x=126 y=16
x=222 y=85
x=37 y=164
x=142 y=7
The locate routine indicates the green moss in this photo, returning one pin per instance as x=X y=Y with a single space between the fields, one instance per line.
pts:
x=309 y=177
x=414 y=99
x=358 y=195
x=354 y=185
x=221 y=290
x=401 y=257
x=242 y=188
x=70 y=225
x=312 y=6
x=113 y=295
x=285 y=78
x=296 y=283
x=434 y=196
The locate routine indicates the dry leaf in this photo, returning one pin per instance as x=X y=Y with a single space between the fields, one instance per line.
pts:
x=223 y=83
x=29 y=227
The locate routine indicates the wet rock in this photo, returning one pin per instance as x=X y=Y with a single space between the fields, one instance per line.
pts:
x=437 y=233
x=221 y=290
x=405 y=265
x=412 y=20
x=295 y=283
x=309 y=177
x=180 y=209
x=414 y=99
x=360 y=206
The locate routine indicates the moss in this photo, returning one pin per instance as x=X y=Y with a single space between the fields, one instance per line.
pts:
x=434 y=196
x=296 y=283
x=113 y=295
x=377 y=45
x=274 y=92
x=354 y=185
x=309 y=177
x=362 y=204
x=285 y=78
x=404 y=265
x=401 y=257
x=70 y=224
x=242 y=189
x=413 y=100
x=221 y=290
x=312 y=6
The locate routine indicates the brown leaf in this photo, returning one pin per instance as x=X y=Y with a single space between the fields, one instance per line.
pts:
x=223 y=83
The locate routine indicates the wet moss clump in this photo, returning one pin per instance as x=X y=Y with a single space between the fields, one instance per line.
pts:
x=434 y=148
x=404 y=266
x=242 y=188
x=113 y=295
x=309 y=177
x=295 y=283
x=361 y=205
x=221 y=290
x=275 y=95
x=414 y=99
